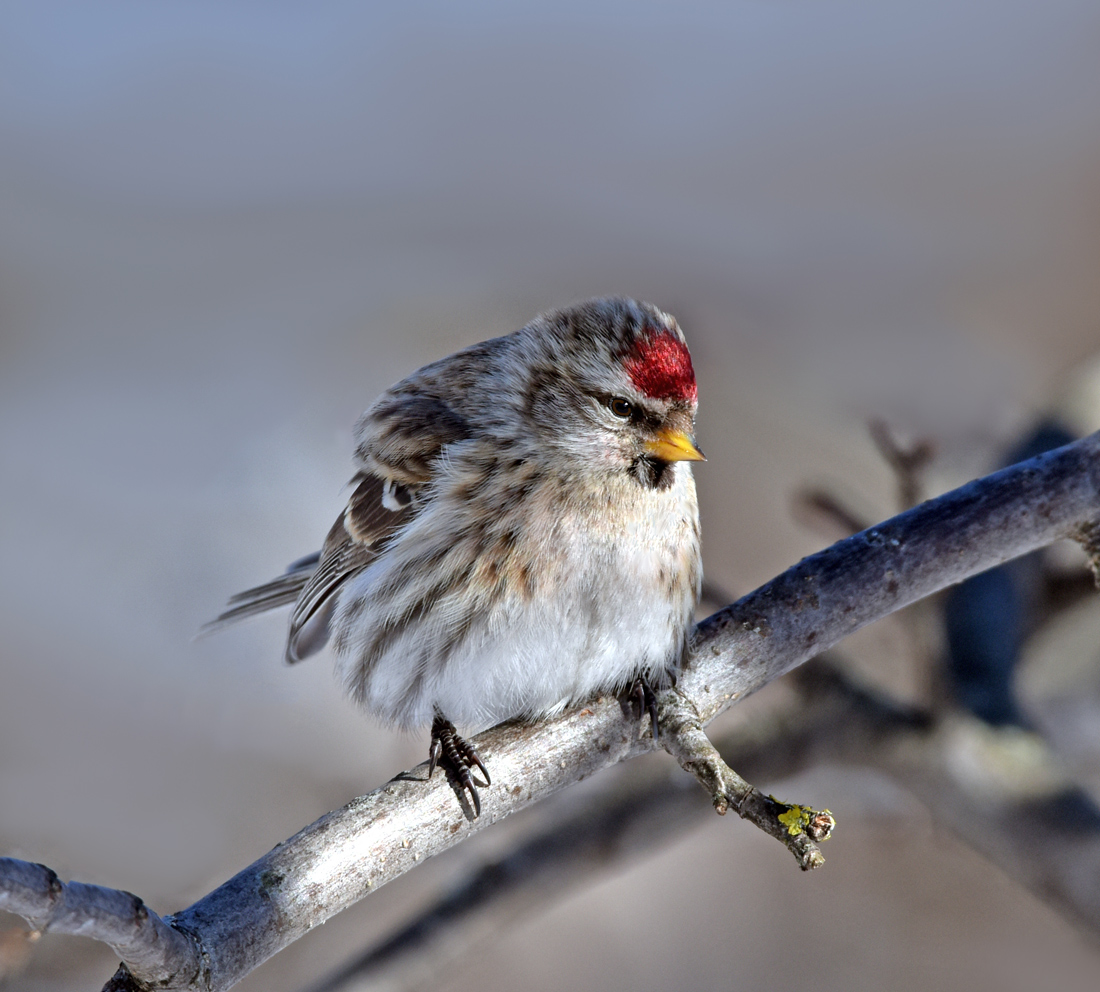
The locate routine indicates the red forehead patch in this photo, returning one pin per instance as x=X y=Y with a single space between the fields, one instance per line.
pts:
x=660 y=367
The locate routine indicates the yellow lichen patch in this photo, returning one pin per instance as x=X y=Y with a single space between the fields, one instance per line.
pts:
x=796 y=819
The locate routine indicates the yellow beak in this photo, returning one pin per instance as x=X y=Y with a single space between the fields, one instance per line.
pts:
x=674 y=446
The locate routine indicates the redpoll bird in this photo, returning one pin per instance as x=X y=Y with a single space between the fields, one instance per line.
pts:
x=523 y=534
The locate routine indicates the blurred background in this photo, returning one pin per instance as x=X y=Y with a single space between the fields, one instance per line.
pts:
x=225 y=227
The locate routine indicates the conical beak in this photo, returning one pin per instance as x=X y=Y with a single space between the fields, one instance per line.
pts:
x=674 y=446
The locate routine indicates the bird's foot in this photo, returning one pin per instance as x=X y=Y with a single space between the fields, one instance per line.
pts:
x=457 y=757
x=644 y=700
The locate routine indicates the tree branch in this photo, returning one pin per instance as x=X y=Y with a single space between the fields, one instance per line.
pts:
x=348 y=853
x=1050 y=842
x=635 y=815
x=120 y=919
x=641 y=810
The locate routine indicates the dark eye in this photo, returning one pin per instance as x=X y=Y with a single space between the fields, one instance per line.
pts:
x=621 y=408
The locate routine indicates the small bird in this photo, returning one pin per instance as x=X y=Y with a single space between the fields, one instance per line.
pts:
x=523 y=533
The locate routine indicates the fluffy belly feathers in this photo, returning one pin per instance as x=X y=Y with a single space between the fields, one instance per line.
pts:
x=593 y=613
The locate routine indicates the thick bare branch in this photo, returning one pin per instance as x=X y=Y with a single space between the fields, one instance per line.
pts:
x=346 y=854
x=1050 y=842
x=630 y=820
x=633 y=817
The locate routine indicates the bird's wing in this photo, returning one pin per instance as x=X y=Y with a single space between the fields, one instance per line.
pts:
x=377 y=509
x=399 y=440
x=404 y=431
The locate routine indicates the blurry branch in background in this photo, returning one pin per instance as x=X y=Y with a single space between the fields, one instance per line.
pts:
x=907 y=461
x=348 y=853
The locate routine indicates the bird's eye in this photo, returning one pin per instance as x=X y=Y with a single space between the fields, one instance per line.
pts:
x=620 y=407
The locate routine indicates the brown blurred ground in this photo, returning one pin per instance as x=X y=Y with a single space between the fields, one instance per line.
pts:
x=223 y=231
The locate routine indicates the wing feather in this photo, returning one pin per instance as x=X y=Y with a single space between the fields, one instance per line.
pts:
x=400 y=438
x=354 y=541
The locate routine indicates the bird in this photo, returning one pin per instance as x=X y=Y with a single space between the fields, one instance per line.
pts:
x=522 y=533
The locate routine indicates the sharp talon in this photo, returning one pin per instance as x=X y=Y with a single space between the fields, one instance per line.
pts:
x=642 y=695
x=433 y=756
x=466 y=780
x=481 y=765
x=473 y=758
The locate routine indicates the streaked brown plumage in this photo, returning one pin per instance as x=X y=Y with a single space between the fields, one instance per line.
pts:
x=523 y=532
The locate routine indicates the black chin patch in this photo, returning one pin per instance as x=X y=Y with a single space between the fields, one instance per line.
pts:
x=652 y=473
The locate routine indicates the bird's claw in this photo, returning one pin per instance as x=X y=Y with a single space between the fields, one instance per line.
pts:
x=644 y=699
x=457 y=757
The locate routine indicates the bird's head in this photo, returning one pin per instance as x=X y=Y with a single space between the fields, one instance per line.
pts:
x=614 y=389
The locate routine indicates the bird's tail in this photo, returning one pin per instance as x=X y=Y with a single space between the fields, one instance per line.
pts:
x=283 y=591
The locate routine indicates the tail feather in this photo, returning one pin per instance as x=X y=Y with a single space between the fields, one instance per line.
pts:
x=283 y=591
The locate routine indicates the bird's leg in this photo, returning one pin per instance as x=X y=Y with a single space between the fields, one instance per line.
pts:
x=644 y=699
x=456 y=756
